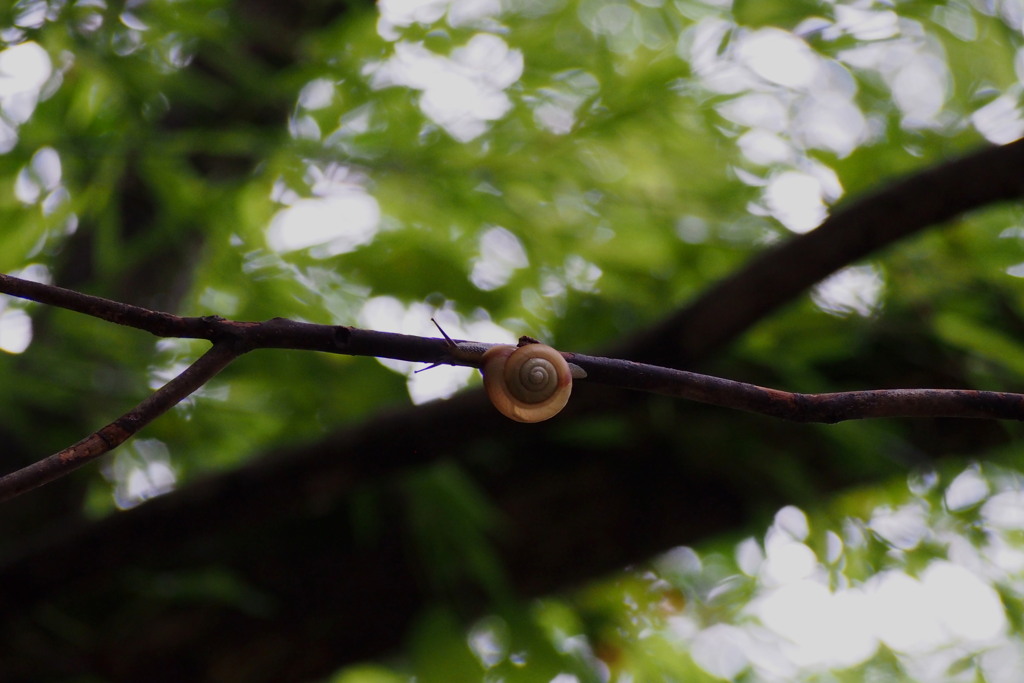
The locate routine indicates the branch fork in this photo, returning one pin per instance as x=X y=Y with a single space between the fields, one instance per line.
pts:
x=231 y=339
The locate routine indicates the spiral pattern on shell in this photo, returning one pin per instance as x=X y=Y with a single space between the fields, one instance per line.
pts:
x=531 y=380
x=528 y=383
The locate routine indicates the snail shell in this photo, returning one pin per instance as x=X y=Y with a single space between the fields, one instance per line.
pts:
x=528 y=383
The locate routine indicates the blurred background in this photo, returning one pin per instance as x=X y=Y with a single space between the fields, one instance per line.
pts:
x=574 y=170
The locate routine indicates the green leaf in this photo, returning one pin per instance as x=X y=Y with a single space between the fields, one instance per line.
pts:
x=440 y=652
x=982 y=341
x=783 y=13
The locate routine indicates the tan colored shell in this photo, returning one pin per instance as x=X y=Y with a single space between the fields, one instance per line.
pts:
x=528 y=383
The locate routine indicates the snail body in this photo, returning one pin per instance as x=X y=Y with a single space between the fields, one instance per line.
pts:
x=528 y=383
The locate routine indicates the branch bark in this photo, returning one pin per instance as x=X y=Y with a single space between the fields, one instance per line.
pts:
x=120 y=430
x=232 y=338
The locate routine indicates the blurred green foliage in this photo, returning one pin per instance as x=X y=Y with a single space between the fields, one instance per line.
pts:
x=631 y=162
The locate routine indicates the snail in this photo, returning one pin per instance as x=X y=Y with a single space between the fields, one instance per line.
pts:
x=527 y=383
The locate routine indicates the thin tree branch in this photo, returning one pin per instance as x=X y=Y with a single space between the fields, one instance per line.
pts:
x=232 y=338
x=160 y=324
x=275 y=333
x=829 y=408
x=292 y=334
x=118 y=431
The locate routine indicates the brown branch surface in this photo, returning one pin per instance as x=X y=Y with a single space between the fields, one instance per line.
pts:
x=120 y=430
x=232 y=338
x=829 y=408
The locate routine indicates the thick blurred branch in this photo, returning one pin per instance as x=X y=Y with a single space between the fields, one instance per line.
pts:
x=931 y=197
